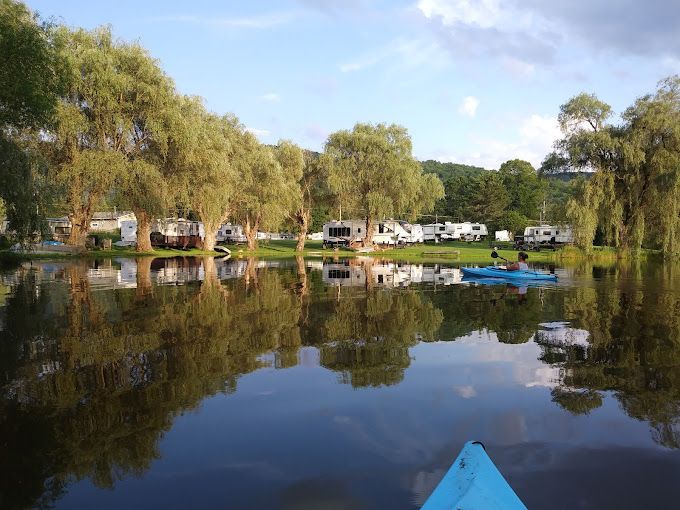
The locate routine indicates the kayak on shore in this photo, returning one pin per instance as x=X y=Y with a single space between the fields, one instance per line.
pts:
x=473 y=483
x=497 y=272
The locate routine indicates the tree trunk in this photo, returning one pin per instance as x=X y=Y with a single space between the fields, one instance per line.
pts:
x=143 y=231
x=144 y=284
x=209 y=240
x=368 y=240
x=80 y=223
x=251 y=233
x=303 y=221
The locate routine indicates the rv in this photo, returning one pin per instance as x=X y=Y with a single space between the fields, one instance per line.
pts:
x=177 y=233
x=128 y=232
x=230 y=233
x=466 y=231
x=110 y=221
x=414 y=232
x=548 y=234
x=502 y=236
x=390 y=232
x=433 y=232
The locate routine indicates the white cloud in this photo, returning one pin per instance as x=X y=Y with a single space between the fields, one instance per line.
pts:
x=405 y=53
x=260 y=133
x=469 y=106
x=484 y=13
x=260 y=21
x=270 y=97
x=534 y=137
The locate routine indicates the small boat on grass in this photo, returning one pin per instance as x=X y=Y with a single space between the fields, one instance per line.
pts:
x=473 y=483
x=497 y=272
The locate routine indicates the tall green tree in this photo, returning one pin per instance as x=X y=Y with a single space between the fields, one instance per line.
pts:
x=372 y=169
x=524 y=186
x=637 y=168
x=217 y=150
x=31 y=79
x=267 y=188
x=313 y=193
x=112 y=128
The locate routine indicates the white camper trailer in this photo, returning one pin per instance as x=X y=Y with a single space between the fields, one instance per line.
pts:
x=230 y=233
x=503 y=236
x=548 y=234
x=128 y=232
x=389 y=232
x=414 y=232
x=433 y=232
x=466 y=231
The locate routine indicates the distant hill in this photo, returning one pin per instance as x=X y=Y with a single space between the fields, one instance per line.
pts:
x=446 y=171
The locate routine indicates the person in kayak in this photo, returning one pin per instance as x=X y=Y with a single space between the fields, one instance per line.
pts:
x=521 y=264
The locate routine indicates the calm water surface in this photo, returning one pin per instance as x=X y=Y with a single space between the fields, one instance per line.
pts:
x=179 y=383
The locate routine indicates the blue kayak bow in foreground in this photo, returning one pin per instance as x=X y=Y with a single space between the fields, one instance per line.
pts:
x=473 y=483
x=497 y=272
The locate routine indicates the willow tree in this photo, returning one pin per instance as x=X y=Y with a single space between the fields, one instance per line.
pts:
x=112 y=128
x=267 y=186
x=148 y=122
x=205 y=155
x=373 y=170
x=636 y=165
x=31 y=80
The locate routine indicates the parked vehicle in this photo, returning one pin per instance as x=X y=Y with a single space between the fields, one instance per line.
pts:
x=230 y=233
x=548 y=234
x=433 y=232
x=386 y=232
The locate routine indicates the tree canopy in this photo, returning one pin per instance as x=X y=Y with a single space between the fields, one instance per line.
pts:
x=372 y=171
x=633 y=197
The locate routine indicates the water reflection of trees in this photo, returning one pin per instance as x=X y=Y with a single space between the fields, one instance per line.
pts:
x=368 y=334
x=92 y=379
x=98 y=376
x=634 y=347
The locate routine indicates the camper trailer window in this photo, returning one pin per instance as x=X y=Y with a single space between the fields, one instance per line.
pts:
x=339 y=232
x=536 y=232
x=442 y=229
x=227 y=232
x=546 y=232
x=477 y=228
x=557 y=232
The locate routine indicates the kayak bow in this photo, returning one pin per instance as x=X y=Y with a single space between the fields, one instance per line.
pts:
x=473 y=483
x=496 y=272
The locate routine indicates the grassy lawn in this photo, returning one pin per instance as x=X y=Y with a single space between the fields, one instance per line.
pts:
x=445 y=252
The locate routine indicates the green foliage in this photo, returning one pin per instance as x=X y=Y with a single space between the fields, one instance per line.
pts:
x=30 y=67
x=634 y=194
x=525 y=188
x=372 y=171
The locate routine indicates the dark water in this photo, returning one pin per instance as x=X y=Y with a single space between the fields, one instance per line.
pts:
x=184 y=383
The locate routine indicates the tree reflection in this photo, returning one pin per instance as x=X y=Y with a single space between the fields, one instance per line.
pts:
x=634 y=347
x=92 y=379
x=369 y=332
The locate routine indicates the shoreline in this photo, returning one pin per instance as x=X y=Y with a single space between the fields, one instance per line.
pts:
x=452 y=252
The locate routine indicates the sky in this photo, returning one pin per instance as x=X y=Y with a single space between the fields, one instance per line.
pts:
x=475 y=82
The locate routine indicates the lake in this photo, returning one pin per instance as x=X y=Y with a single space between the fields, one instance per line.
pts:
x=338 y=384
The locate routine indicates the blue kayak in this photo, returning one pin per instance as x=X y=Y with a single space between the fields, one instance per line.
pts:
x=473 y=483
x=497 y=272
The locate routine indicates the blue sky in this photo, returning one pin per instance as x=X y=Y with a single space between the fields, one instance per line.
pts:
x=474 y=82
